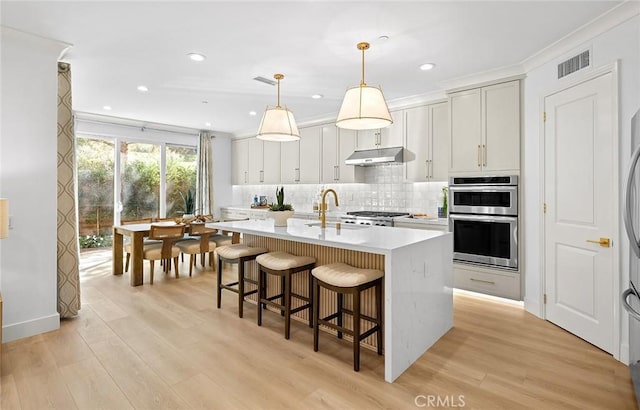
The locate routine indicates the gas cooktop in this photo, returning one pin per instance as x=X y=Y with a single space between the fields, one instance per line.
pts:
x=377 y=214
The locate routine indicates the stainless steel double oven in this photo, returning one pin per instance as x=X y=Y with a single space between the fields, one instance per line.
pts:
x=483 y=216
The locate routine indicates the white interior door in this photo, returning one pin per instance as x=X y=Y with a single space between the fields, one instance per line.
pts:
x=580 y=192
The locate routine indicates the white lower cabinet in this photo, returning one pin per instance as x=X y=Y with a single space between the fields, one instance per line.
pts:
x=494 y=282
x=230 y=214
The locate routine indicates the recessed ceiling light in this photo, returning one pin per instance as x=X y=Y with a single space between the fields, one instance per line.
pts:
x=317 y=96
x=383 y=38
x=197 y=56
x=252 y=113
x=107 y=107
x=427 y=66
x=207 y=124
x=143 y=88
x=204 y=102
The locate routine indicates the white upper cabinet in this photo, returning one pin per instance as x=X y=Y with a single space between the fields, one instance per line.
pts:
x=337 y=145
x=240 y=161
x=264 y=162
x=391 y=136
x=439 y=136
x=501 y=115
x=485 y=129
x=346 y=146
x=255 y=162
x=427 y=143
x=290 y=162
x=329 y=154
x=271 y=159
x=310 y=148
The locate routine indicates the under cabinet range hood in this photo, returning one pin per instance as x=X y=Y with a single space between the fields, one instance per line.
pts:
x=377 y=156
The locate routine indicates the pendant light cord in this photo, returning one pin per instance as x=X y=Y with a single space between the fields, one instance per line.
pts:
x=363 y=46
x=278 y=77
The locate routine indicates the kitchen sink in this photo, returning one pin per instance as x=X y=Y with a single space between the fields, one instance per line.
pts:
x=342 y=225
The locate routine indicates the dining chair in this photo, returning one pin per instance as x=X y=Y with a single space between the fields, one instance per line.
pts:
x=127 y=245
x=166 y=250
x=198 y=243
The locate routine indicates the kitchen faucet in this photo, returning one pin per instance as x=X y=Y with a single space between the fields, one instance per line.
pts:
x=323 y=207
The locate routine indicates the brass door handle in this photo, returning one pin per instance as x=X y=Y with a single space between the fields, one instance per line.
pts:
x=604 y=242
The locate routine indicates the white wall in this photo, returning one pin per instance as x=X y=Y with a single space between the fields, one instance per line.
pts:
x=622 y=43
x=28 y=168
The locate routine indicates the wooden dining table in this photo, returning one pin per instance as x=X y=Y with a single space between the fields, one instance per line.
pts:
x=137 y=233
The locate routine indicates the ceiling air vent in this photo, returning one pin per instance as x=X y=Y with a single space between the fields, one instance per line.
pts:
x=265 y=80
x=573 y=64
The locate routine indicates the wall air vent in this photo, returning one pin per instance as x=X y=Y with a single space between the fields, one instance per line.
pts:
x=574 y=64
x=265 y=80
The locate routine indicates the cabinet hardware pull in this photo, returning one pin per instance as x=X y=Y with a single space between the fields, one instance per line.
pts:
x=430 y=169
x=484 y=155
x=297 y=174
x=479 y=163
x=490 y=282
x=245 y=177
x=604 y=242
x=261 y=175
x=426 y=165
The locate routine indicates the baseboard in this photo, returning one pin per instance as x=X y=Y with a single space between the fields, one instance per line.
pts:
x=30 y=328
x=533 y=306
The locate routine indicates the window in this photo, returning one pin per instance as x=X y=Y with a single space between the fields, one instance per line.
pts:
x=181 y=176
x=95 y=170
x=141 y=189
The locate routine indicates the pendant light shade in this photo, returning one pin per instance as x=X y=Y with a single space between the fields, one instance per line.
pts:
x=277 y=122
x=364 y=106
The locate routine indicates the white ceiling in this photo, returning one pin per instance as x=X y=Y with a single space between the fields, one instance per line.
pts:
x=117 y=46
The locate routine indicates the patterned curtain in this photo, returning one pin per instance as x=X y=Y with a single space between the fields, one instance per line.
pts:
x=204 y=175
x=68 y=271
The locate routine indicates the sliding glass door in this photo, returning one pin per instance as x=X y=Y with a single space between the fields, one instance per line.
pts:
x=138 y=180
x=95 y=170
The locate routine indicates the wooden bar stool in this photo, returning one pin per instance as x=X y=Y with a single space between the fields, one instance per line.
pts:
x=347 y=280
x=285 y=265
x=237 y=254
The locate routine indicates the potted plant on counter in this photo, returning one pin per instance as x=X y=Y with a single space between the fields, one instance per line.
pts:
x=280 y=211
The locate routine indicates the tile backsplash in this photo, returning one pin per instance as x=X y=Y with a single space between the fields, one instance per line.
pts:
x=383 y=190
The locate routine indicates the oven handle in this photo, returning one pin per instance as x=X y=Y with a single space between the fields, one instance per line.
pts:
x=487 y=218
x=484 y=188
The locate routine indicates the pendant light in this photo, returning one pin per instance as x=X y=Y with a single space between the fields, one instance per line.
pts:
x=363 y=107
x=278 y=123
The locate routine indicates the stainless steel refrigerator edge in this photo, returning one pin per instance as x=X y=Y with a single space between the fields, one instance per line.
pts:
x=630 y=297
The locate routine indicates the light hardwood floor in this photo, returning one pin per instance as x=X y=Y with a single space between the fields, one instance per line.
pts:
x=167 y=346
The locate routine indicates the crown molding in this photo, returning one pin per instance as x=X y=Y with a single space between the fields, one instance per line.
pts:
x=605 y=22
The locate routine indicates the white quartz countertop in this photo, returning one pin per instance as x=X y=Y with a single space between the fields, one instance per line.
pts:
x=373 y=239
x=425 y=221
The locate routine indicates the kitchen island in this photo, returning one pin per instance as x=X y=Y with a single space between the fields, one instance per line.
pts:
x=418 y=299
